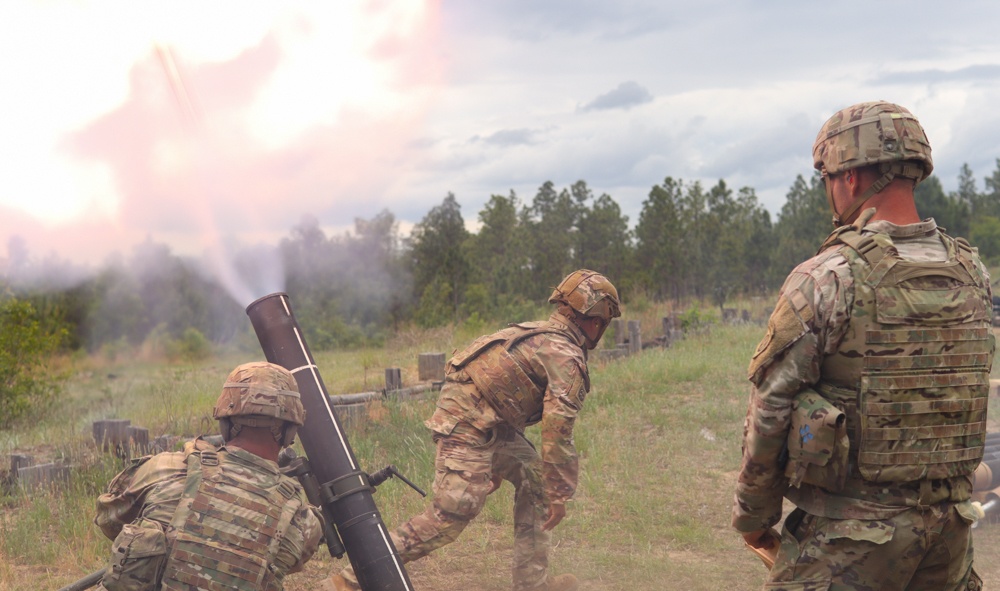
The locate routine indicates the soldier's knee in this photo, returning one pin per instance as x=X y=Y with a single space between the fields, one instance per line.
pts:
x=461 y=494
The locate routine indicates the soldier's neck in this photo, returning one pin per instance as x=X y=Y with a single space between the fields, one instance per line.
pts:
x=260 y=444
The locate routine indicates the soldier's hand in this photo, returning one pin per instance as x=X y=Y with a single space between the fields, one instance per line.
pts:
x=556 y=513
x=495 y=483
x=757 y=539
x=764 y=543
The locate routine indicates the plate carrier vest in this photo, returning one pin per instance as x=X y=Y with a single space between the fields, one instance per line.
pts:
x=912 y=372
x=516 y=395
x=227 y=529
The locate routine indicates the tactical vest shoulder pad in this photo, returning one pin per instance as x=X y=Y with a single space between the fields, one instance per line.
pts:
x=477 y=346
x=835 y=237
x=968 y=255
x=871 y=247
x=532 y=325
x=510 y=336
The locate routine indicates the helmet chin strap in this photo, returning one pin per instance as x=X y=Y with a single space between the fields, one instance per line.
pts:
x=591 y=343
x=833 y=207
x=889 y=173
x=840 y=219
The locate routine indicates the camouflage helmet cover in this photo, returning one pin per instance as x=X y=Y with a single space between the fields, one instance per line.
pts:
x=876 y=132
x=260 y=394
x=589 y=293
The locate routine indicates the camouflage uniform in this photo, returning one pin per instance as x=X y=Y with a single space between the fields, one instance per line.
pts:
x=475 y=444
x=145 y=498
x=869 y=534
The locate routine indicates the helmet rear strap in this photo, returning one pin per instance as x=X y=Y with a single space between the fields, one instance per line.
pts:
x=277 y=427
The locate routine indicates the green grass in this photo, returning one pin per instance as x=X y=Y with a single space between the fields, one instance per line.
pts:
x=659 y=441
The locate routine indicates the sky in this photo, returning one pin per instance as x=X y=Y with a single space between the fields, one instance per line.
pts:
x=212 y=126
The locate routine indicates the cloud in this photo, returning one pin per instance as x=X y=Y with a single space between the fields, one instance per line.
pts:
x=988 y=73
x=532 y=21
x=627 y=95
x=509 y=137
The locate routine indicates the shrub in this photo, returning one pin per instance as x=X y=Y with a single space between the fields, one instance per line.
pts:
x=27 y=343
x=696 y=319
x=191 y=346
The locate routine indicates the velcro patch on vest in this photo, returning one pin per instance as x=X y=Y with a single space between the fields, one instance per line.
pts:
x=214 y=567
x=786 y=326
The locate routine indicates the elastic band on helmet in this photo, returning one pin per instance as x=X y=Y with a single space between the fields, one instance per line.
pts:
x=257 y=388
x=871 y=119
x=566 y=289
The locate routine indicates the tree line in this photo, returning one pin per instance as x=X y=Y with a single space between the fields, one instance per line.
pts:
x=690 y=242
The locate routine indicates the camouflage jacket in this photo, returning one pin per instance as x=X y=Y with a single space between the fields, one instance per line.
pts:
x=559 y=364
x=809 y=322
x=151 y=488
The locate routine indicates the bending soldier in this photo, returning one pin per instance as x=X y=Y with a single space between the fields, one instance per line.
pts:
x=868 y=406
x=212 y=518
x=522 y=375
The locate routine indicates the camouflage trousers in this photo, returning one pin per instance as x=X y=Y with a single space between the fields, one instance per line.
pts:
x=466 y=461
x=928 y=549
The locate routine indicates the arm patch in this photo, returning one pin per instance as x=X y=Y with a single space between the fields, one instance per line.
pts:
x=578 y=391
x=786 y=325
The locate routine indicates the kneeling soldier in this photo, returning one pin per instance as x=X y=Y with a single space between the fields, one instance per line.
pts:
x=212 y=518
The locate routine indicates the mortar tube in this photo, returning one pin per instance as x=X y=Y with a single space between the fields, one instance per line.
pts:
x=349 y=500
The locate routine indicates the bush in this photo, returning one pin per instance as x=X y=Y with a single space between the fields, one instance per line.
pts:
x=695 y=319
x=27 y=343
x=191 y=346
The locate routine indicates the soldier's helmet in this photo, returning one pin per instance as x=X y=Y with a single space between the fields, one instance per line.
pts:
x=260 y=394
x=588 y=293
x=870 y=133
x=878 y=134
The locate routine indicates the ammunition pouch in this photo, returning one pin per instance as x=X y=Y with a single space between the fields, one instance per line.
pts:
x=139 y=554
x=817 y=443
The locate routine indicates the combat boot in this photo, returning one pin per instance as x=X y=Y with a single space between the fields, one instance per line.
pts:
x=337 y=583
x=565 y=582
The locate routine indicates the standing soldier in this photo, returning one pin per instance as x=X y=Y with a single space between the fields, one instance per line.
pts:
x=868 y=406
x=528 y=373
x=210 y=518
